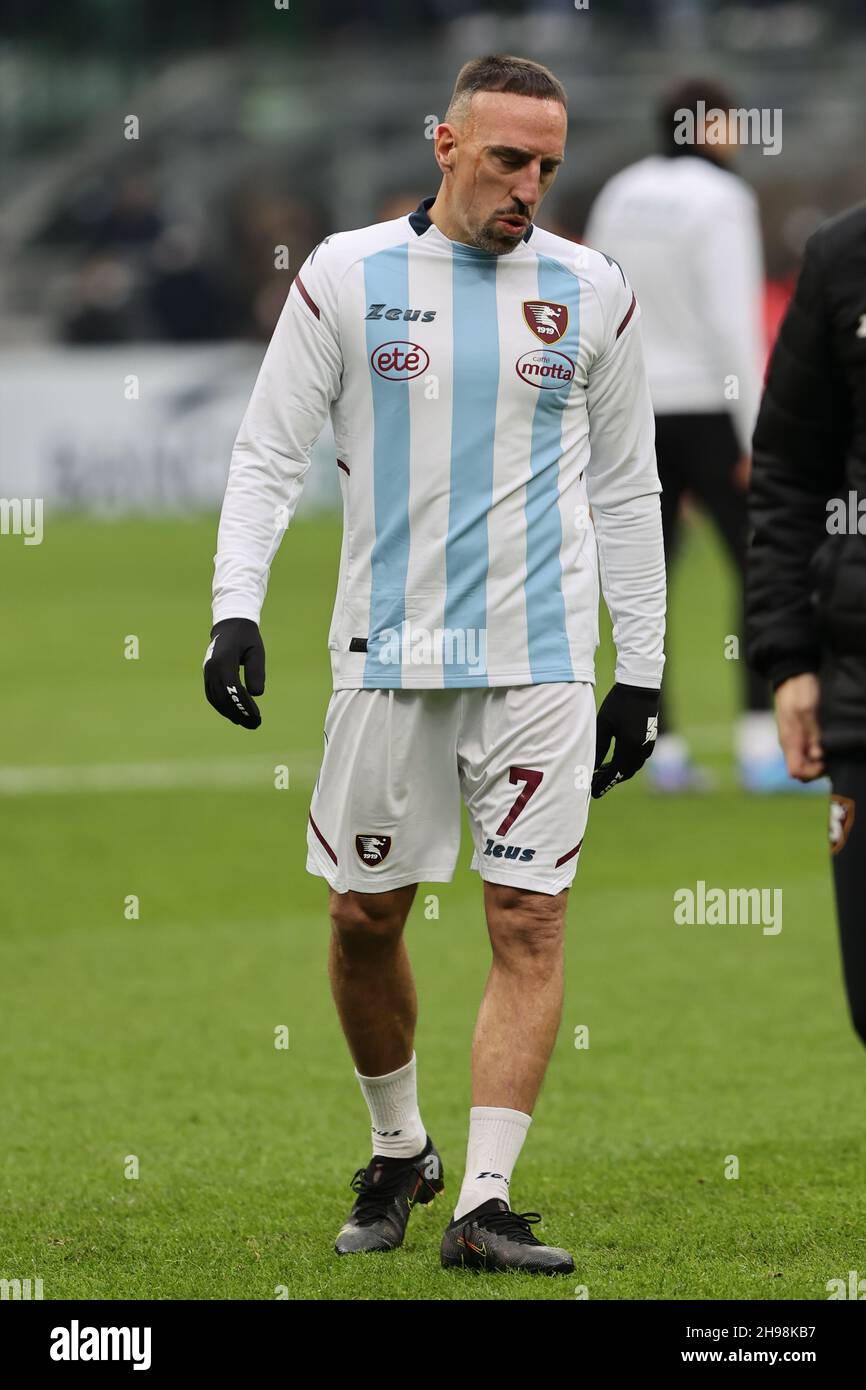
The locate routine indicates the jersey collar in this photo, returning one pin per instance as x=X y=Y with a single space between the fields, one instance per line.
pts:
x=420 y=222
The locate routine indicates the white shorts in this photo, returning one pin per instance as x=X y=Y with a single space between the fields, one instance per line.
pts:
x=386 y=808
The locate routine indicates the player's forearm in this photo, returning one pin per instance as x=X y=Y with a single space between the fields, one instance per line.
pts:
x=736 y=336
x=299 y=377
x=632 y=571
x=740 y=371
x=744 y=370
x=787 y=519
x=260 y=500
x=730 y=292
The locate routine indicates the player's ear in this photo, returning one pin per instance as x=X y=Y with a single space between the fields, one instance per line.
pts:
x=444 y=146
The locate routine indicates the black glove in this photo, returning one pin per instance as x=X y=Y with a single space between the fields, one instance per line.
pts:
x=630 y=715
x=236 y=642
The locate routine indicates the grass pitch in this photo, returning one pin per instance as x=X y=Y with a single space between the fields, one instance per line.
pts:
x=152 y=1039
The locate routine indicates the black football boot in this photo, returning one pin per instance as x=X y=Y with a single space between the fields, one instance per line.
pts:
x=495 y=1239
x=388 y=1189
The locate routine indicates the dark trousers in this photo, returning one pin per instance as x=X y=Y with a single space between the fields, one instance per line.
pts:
x=698 y=454
x=848 y=845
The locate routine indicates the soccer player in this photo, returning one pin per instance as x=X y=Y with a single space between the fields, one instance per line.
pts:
x=486 y=388
x=688 y=229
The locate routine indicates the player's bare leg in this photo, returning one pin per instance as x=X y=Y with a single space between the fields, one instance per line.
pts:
x=522 y=1006
x=515 y=1033
x=371 y=978
x=374 y=990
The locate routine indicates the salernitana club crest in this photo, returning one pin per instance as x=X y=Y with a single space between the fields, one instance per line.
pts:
x=372 y=849
x=547 y=321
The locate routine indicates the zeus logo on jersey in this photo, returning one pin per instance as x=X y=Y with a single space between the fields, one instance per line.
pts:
x=381 y=311
x=500 y=851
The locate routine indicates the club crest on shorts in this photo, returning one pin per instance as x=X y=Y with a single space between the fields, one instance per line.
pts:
x=841 y=821
x=372 y=849
x=548 y=321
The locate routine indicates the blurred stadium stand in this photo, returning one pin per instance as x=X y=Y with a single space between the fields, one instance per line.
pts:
x=263 y=127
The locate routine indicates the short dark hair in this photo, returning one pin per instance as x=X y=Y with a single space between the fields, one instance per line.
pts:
x=501 y=72
x=684 y=96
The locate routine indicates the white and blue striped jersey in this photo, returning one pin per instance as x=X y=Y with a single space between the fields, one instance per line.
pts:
x=494 y=441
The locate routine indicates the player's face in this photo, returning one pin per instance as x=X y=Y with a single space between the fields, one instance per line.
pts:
x=503 y=159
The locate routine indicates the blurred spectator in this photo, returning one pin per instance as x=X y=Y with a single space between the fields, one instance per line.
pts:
x=687 y=231
x=398 y=204
x=272 y=235
x=186 y=299
x=132 y=219
x=102 y=303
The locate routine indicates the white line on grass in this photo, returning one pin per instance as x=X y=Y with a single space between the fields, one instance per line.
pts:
x=177 y=774
x=710 y=738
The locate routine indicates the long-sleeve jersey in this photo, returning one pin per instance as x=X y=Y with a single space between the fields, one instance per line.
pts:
x=690 y=235
x=494 y=440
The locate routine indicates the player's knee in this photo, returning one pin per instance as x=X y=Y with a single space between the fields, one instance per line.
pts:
x=525 y=925
x=362 y=919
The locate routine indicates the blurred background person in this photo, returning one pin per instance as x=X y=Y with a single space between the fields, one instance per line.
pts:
x=806 y=595
x=687 y=231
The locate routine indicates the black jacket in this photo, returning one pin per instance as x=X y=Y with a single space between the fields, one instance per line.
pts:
x=806 y=583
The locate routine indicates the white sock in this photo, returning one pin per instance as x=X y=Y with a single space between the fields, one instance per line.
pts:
x=392 y=1100
x=496 y=1137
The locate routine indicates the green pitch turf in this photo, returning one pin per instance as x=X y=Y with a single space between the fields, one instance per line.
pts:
x=152 y=1039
